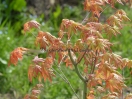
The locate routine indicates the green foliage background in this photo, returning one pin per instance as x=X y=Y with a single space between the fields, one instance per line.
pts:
x=14 y=80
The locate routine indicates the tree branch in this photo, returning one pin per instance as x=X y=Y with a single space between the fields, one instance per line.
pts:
x=79 y=75
x=75 y=65
x=82 y=57
x=85 y=19
x=94 y=64
x=72 y=60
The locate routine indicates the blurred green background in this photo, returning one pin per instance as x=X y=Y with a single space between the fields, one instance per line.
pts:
x=14 y=82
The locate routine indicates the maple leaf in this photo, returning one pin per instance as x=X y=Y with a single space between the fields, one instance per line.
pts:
x=102 y=45
x=33 y=71
x=47 y=72
x=37 y=59
x=129 y=63
x=93 y=82
x=39 y=86
x=35 y=92
x=115 y=83
x=49 y=60
x=111 y=2
x=46 y=40
x=97 y=44
x=27 y=96
x=114 y=20
x=113 y=95
x=122 y=15
x=31 y=24
x=68 y=27
x=41 y=69
x=129 y=96
x=33 y=97
x=111 y=30
x=93 y=6
x=95 y=25
x=91 y=95
x=100 y=89
x=16 y=55
x=61 y=34
x=68 y=62
x=60 y=55
x=119 y=1
x=42 y=40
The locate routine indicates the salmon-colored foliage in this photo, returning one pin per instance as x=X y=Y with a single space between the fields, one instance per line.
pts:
x=31 y=24
x=41 y=68
x=16 y=55
x=34 y=93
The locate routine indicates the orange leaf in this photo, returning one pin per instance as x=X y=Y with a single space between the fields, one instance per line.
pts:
x=35 y=92
x=27 y=96
x=30 y=73
x=16 y=55
x=42 y=40
x=119 y=1
x=129 y=96
x=68 y=62
x=90 y=97
x=100 y=89
x=93 y=6
x=31 y=24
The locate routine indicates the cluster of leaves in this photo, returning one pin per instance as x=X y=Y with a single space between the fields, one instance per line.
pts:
x=35 y=91
x=91 y=49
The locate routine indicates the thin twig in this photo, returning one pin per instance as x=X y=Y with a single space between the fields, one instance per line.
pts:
x=68 y=82
x=76 y=68
x=104 y=10
x=79 y=75
x=65 y=78
x=82 y=56
x=72 y=60
x=84 y=20
x=94 y=64
x=59 y=75
x=33 y=35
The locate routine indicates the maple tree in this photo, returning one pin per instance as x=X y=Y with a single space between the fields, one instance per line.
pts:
x=91 y=50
